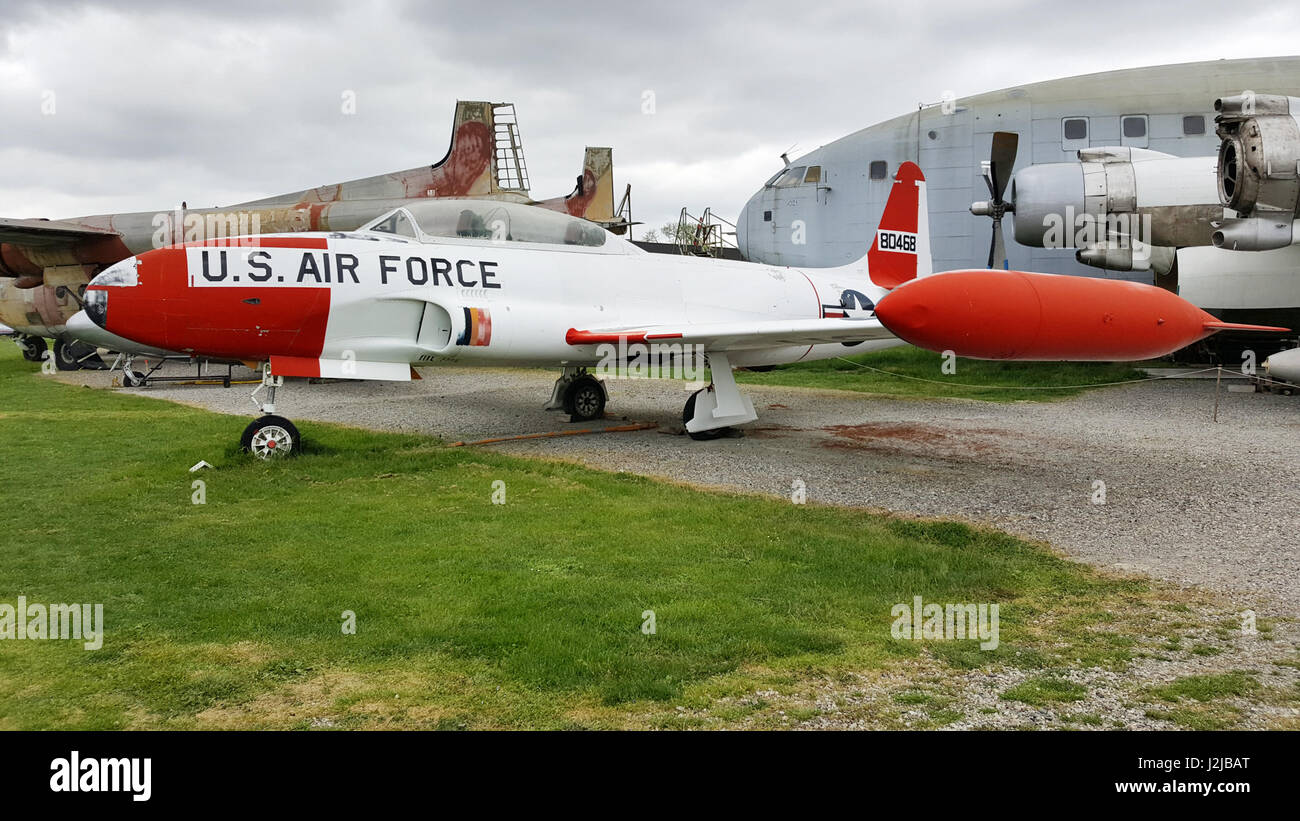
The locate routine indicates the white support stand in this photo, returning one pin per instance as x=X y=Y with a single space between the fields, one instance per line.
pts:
x=722 y=404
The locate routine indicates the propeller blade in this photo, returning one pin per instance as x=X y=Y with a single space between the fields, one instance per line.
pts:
x=993 y=242
x=1002 y=158
x=999 y=248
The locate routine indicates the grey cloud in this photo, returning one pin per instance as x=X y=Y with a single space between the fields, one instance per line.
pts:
x=242 y=99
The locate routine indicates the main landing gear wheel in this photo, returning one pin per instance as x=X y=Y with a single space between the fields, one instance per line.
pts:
x=584 y=399
x=270 y=437
x=132 y=379
x=33 y=348
x=75 y=355
x=688 y=413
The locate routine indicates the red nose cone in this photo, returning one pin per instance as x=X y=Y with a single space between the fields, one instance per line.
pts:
x=1015 y=315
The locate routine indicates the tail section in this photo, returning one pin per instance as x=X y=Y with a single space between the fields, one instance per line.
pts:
x=593 y=196
x=901 y=250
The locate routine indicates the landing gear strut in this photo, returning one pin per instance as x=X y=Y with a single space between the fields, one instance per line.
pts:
x=580 y=395
x=270 y=436
x=710 y=412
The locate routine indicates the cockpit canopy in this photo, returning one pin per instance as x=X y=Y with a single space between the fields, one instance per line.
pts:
x=487 y=220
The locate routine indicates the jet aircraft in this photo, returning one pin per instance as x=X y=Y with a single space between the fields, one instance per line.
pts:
x=494 y=283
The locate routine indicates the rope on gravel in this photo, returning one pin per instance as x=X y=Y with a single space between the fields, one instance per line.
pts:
x=1045 y=387
x=556 y=433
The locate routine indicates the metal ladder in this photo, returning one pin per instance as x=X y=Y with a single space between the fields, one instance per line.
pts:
x=511 y=172
x=705 y=235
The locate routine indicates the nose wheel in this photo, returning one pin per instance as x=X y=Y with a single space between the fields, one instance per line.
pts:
x=270 y=437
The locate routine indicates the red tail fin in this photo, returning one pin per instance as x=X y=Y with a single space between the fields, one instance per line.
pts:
x=901 y=249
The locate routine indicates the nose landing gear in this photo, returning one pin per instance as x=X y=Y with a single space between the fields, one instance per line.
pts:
x=270 y=436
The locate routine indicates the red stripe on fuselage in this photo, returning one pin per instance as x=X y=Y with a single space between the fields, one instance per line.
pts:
x=249 y=323
x=295 y=366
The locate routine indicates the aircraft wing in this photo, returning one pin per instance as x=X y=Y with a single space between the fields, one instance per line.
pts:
x=40 y=233
x=739 y=336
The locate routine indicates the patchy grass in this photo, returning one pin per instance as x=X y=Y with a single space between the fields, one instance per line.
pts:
x=1045 y=690
x=911 y=372
x=1207 y=688
x=1199 y=716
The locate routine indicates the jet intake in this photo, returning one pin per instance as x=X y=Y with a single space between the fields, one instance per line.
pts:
x=1259 y=159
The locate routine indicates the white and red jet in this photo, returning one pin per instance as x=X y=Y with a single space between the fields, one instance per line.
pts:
x=492 y=283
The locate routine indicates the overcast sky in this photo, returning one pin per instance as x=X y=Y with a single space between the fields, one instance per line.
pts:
x=139 y=105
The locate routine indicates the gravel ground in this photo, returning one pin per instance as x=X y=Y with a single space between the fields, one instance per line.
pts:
x=1187 y=500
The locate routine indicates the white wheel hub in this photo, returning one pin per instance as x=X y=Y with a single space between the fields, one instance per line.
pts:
x=271 y=441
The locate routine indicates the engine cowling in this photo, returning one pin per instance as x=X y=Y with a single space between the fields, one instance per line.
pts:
x=1258 y=171
x=1255 y=233
x=1128 y=256
x=1169 y=201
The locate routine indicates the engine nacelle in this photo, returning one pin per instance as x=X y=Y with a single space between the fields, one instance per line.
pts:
x=1114 y=256
x=1284 y=365
x=1146 y=195
x=1255 y=233
x=1259 y=159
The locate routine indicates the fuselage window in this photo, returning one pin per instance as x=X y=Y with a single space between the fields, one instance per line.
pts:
x=1194 y=125
x=1135 y=127
x=878 y=169
x=814 y=174
x=1074 y=128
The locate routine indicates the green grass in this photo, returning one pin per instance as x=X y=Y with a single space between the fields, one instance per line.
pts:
x=469 y=614
x=1045 y=690
x=1208 y=688
x=915 y=372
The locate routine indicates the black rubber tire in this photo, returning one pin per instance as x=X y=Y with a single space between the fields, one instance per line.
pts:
x=584 y=399
x=65 y=356
x=33 y=348
x=74 y=355
x=704 y=435
x=275 y=447
x=133 y=379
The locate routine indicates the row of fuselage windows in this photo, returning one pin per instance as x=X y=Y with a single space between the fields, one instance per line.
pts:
x=1074 y=135
x=1074 y=130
